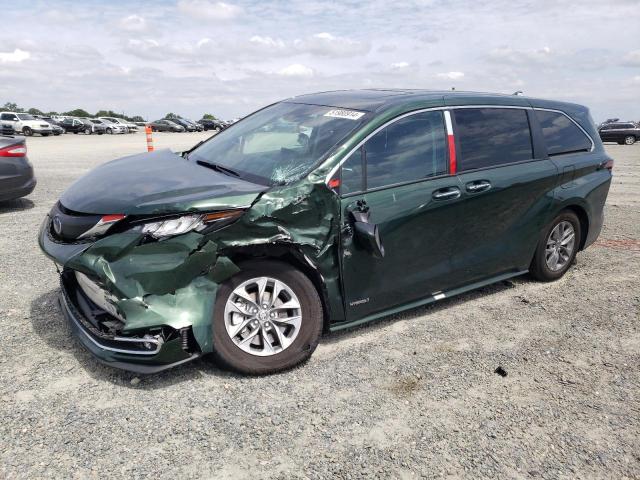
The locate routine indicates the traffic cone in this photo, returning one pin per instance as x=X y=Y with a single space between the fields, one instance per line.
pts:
x=147 y=130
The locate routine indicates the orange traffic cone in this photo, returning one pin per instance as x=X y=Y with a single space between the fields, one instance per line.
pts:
x=147 y=130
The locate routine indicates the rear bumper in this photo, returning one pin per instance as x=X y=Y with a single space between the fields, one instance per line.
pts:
x=119 y=352
x=18 y=187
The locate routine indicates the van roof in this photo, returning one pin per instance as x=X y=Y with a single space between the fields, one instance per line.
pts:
x=371 y=100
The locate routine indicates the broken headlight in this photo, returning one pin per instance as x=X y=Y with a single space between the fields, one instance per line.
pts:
x=171 y=226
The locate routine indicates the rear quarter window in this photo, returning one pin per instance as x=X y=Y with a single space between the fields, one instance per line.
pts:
x=561 y=135
x=492 y=136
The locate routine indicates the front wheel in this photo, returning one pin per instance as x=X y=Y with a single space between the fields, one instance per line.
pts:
x=557 y=247
x=109 y=131
x=629 y=140
x=87 y=131
x=266 y=319
x=27 y=131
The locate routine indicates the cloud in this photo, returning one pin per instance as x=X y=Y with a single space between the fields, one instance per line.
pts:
x=632 y=59
x=133 y=23
x=16 y=56
x=450 y=75
x=326 y=44
x=205 y=9
x=510 y=56
x=296 y=70
x=400 y=65
x=267 y=42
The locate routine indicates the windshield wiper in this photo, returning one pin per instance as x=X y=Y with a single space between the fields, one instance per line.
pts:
x=219 y=168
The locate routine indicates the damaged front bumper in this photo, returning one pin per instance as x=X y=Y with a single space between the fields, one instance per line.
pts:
x=141 y=353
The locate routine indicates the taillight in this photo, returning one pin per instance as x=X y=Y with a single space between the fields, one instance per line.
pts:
x=608 y=164
x=13 y=151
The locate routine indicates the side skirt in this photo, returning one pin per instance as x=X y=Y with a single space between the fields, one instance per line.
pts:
x=425 y=301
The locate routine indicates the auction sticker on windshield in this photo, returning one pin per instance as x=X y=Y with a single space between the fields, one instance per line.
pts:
x=348 y=114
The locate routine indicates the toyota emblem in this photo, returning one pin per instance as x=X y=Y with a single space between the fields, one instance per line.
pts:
x=57 y=225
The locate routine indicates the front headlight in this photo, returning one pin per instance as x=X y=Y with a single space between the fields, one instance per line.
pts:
x=170 y=227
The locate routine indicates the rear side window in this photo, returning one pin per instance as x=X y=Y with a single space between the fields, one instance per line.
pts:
x=409 y=149
x=561 y=135
x=489 y=137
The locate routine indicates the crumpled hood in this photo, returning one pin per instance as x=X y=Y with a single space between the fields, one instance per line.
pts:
x=155 y=183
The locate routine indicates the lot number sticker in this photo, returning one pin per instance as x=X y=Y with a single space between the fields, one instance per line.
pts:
x=348 y=114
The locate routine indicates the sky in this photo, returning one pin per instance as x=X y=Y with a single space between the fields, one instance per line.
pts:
x=230 y=58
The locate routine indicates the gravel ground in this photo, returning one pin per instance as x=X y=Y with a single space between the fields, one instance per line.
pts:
x=412 y=396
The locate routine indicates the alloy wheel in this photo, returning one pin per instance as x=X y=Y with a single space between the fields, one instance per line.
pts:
x=629 y=140
x=263 y=316
x=560 y=245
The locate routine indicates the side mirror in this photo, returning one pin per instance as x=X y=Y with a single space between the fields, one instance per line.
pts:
x=368 y=236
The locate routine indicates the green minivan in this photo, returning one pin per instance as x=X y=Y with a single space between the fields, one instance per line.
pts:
x=318 y=213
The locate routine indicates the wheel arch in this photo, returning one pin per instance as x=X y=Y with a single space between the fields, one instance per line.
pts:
x=583 y=217
x=295 y=258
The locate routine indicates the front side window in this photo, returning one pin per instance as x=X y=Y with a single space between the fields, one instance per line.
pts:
x=491 y=137
x=410 y=149
x=279 y=144
x=25 y=116
x=561 y=135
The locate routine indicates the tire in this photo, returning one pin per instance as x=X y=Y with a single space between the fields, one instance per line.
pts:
x=302 y=344
x=540 y=268
x=629 y=140
x=27 y=131
x=44 y=134
x=75 y=133
x=87 y=131
x=109 y=131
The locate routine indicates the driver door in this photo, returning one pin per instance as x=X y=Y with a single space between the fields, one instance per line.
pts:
x=399 y=179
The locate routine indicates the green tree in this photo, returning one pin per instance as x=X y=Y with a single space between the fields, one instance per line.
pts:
x=78 y=112
x=208 y=116
x=12 y=107
x=171 y=115
x=35 y=111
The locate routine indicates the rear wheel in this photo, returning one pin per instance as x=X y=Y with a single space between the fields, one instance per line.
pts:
x=87 y=131
x=629 y=140
x=557 y=247
x=267 y=318
x=44 y=134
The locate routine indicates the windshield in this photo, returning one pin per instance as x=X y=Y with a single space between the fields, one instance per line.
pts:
x=25 y=116
x=279 y=144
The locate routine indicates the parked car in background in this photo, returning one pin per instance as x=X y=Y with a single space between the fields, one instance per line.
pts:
x=130 y=126
x=26 y=124
x=6 y=128
x=165 y=126
x=16 y=172
x=209 y=124
x=56 y=129
x=263 y=237
x=93 y=127
x=200 y=128
x=112 y=127
x=74 y=125
x=183 y=123
x=624 y=133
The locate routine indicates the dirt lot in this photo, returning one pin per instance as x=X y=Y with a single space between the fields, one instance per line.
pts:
x=414 y=395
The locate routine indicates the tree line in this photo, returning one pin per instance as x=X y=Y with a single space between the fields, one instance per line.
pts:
x=79 y=112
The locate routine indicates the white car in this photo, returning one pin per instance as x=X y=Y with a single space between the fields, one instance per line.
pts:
x=113 y=127
x=26 y=124
x=131 y=127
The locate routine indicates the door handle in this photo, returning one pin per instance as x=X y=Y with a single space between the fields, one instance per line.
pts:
x=450 y=193
x=478 y=186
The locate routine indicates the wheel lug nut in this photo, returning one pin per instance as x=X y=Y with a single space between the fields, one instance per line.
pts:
x=272 y=314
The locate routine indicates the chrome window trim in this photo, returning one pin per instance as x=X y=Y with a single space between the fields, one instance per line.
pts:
x=333 y=171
